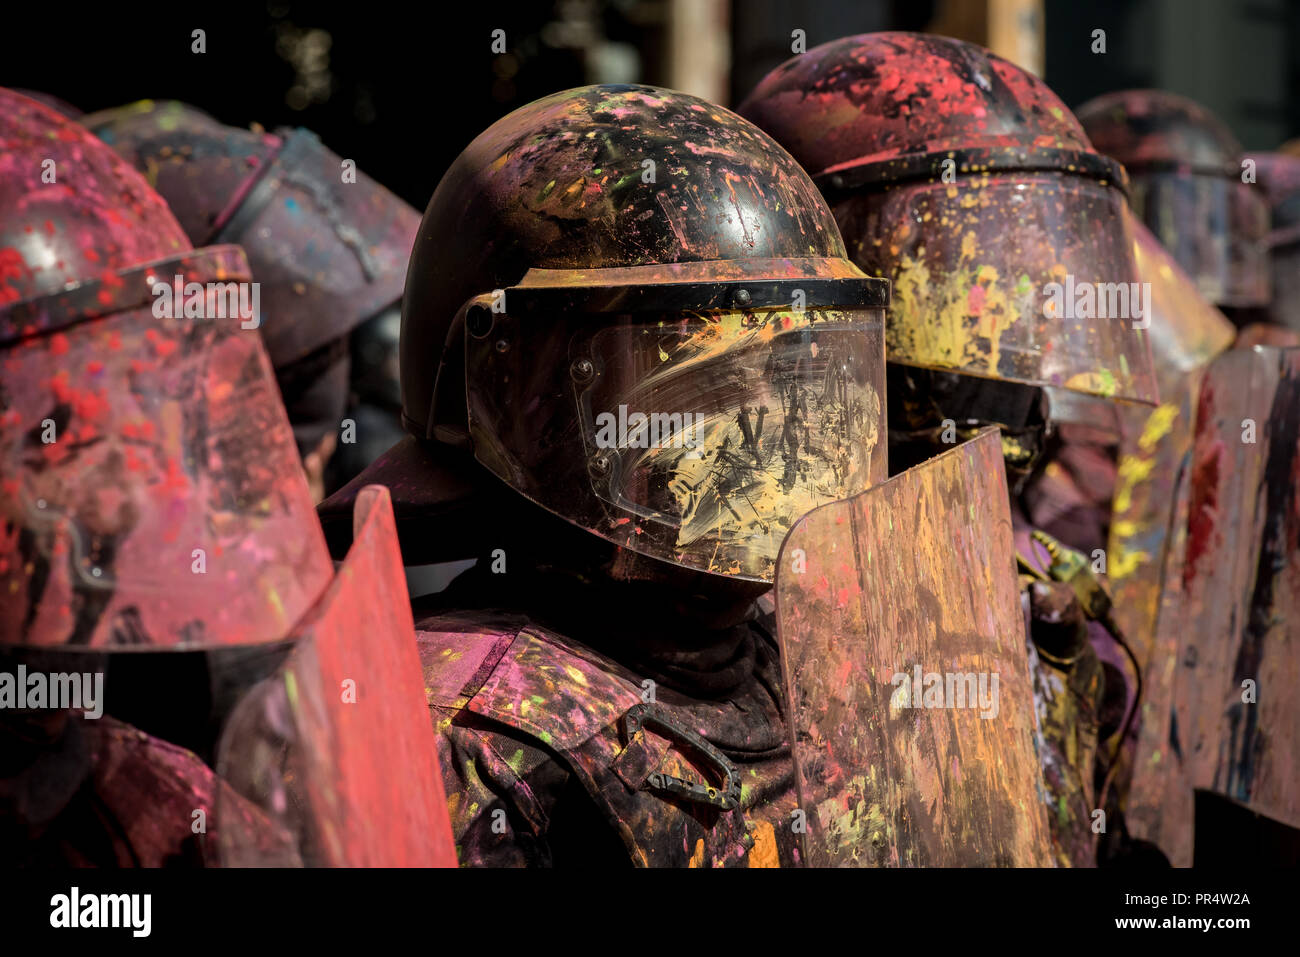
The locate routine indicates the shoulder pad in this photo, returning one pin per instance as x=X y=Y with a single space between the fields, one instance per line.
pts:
x=525 y=677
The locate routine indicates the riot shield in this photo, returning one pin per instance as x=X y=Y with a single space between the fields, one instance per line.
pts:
x=908 y=687
x=1236 y=714
x=1147 y=539
x=337 y=747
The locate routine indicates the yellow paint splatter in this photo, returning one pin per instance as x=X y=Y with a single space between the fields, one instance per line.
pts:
x=1158 y=424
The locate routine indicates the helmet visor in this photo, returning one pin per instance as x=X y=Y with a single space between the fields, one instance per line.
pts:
x=1216 y=228
x=696 y=436
x=1027 y=277
x=153 y=494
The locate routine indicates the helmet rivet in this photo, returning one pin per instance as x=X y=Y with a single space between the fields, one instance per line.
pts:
x=503 y=345
x=743 y=298
x=599 y=465
x=478 y=321
x=582 y=370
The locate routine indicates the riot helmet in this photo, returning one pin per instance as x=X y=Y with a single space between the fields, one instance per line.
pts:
x=327 y=245
x=634 y=309
x=965 y=181
x=1185 y=170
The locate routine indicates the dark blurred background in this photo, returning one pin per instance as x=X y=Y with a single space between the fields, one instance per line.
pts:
x=402 y=89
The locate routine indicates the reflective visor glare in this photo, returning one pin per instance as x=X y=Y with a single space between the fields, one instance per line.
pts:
x=730 y=426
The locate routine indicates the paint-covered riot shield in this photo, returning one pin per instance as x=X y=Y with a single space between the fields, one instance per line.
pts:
x=337 y=748
x=904 y=651
x=1147 y=539
x=1236 y=713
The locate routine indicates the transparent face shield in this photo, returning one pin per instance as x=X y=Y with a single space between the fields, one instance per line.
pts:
x=1216 y=229
x=698 y=436
x=1187 y=332
x=1025 y=276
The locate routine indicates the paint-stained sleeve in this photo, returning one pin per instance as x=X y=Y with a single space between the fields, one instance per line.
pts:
x=501 y=792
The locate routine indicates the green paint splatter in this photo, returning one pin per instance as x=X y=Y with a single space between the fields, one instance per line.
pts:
x=291 y=688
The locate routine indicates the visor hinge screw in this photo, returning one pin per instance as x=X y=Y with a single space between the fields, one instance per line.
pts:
x=478 y=321
x=503 y=345
x=743 y=298
x=582 y=370
x=599 y=465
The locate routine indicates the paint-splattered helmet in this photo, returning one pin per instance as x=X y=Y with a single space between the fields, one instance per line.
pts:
x=327 y=244
x=635 y=309
x=1185 y=170
x=151 y=492
x=967 y=182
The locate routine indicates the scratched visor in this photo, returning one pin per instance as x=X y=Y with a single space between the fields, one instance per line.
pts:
x=1025 y=276
x=696 y=431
